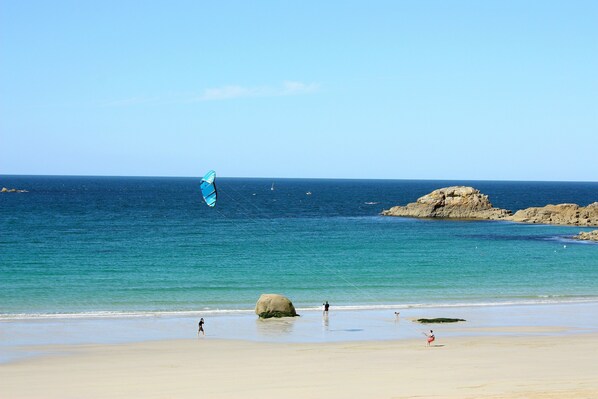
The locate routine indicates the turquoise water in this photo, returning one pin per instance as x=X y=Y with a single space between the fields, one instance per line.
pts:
x=95 y=246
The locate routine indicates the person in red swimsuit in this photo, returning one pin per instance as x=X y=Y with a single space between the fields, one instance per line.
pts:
x=431 y=337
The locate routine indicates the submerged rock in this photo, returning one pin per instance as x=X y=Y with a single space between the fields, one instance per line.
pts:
x=587 y=235
x=274 y=305
x=457 y=202
x=567 y=214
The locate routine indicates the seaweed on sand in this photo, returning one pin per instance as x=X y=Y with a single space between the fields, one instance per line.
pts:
x=439 y=320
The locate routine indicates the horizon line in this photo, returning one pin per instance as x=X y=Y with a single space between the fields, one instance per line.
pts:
x=303 y=178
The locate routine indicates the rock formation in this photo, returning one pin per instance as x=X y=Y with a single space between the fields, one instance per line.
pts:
x=12 y=190
x=587 y=235
x=567 y=214
x=274 y=305
x=457 y=202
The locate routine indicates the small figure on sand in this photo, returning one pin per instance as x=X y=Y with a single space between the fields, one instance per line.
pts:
x=397 y=315
x=200 y=329
x=430 y=336
x=326 y=307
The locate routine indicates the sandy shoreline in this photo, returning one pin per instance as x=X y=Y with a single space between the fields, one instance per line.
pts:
x=457 y=367
x=539 y=351
x=340 y=326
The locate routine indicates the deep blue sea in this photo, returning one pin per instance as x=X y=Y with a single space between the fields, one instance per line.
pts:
x=111 y=245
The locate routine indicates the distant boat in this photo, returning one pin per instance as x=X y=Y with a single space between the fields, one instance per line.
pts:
x=272 y=188
x=308 y=193
x=371 y=203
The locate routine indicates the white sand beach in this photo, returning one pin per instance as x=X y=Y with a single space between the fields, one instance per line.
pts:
x=459 y=367
x=536 y=351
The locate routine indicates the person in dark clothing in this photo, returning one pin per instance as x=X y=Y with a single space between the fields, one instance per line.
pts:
x=200 y=329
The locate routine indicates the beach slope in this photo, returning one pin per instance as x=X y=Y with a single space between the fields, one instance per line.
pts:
x=465 y=367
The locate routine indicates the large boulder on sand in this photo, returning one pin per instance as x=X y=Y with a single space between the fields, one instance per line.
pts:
x=274 y=305
x=457 y=202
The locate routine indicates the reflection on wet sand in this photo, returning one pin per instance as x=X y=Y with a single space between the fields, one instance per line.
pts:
x=275 y=326
x=325 y=322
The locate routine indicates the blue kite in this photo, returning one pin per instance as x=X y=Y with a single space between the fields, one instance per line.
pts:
x=208 y=188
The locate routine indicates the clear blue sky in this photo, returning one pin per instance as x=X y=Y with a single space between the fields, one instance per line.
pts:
x=497 y=90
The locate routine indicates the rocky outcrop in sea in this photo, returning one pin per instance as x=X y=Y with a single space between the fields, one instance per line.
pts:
x=456 y=202
x=587 y=235
x=11 y=190
x=460 y=202
x=567 y=214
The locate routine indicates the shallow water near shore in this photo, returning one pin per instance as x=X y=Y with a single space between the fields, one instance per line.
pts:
x=25 y=338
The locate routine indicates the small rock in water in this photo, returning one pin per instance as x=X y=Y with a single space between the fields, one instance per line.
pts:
x=12 y=190
x=587 y=235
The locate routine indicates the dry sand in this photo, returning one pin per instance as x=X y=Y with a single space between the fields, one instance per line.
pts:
x=464 y=367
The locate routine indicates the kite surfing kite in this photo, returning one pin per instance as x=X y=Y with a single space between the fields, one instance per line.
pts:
x=208 y=188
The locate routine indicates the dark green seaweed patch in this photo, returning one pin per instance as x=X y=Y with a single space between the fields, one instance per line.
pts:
x=439 y=320
x=268 y=315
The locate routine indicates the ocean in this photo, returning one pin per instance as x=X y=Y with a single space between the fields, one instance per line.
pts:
x=97 y=246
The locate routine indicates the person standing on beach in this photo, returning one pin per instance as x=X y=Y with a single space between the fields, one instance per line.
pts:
x=326 y=306
x=200 y=329
x=430 y=336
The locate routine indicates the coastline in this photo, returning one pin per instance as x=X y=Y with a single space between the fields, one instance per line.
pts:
x=33 y=338
x=533 y=344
